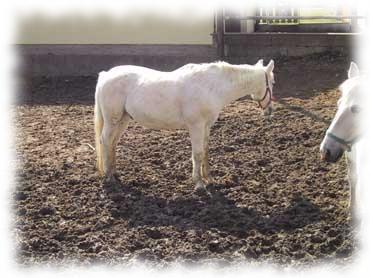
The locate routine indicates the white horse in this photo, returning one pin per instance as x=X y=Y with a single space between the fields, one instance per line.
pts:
x=190 y=97
x=345 y=132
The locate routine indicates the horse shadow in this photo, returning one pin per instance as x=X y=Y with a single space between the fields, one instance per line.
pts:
x=204 y=212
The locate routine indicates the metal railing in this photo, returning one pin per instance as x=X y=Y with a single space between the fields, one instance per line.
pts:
x=293 y=17
x=221 y=18
x=281 y=20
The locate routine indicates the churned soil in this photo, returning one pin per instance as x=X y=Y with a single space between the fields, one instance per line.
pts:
x=272 y=201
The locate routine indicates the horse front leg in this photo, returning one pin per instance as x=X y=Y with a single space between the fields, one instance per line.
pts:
x=205 y=163
x=197 y=144
x=352 y=180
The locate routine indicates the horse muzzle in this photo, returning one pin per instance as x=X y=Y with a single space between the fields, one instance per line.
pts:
x=331 y=156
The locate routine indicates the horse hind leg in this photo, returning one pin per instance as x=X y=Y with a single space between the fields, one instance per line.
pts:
x=117 y=134
x=110 y=137
x=108 y=151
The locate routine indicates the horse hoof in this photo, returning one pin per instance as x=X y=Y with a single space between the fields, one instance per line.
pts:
x=112 y=180
x=116 y=178
x=201 y=190
x=200 y=187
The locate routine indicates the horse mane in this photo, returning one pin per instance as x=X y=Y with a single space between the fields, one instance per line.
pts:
x=222 y=65
x=203 y=66
x=242 y=74
x=237 y=74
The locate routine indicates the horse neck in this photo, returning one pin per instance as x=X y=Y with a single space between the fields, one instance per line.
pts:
x=242 y=81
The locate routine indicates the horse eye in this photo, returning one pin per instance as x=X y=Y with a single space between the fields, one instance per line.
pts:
x=355 y=109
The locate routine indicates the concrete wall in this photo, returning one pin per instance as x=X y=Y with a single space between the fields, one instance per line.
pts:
x=132 y=28
x=83 y=59
x=244 y=48
x=76 y=44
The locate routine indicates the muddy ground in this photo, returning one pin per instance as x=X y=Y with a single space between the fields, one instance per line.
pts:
x=273 y=200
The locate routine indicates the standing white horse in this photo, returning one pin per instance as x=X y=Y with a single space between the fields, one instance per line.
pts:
x=345 y=131
x=190 y=97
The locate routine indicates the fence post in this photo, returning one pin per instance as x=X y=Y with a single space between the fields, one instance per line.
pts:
x=220 y=34
x=354 y=22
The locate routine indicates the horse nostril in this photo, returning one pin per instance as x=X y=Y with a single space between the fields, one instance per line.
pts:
x=327 y=154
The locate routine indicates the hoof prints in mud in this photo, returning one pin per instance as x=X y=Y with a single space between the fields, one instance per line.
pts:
x=272 y=199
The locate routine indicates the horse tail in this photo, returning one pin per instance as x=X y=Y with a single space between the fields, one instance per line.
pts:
x=98 y=122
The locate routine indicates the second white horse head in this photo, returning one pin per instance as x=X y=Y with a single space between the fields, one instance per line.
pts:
x=344 y=131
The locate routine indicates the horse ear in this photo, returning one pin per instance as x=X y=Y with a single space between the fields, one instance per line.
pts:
x=353 y=70
x=270 y=66
x=259 y=63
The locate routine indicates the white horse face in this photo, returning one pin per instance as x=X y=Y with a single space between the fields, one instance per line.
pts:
x=265 y=101
x=345 y=129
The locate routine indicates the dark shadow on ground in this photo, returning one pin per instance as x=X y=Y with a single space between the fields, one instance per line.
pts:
x=205 y=212
x=305 y=112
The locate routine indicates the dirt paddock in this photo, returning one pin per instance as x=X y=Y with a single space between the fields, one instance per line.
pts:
x=273 y=200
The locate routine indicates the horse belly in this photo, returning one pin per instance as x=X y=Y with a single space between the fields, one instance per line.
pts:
x=151 y=113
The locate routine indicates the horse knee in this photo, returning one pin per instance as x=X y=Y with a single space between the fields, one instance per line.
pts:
x=107 y=137
x=197 y=157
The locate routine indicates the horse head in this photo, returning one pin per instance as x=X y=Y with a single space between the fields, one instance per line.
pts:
x=345 y=130
x=266 y=96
